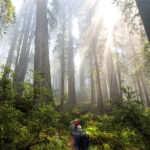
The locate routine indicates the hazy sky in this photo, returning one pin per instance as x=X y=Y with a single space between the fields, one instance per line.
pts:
x=17 y=4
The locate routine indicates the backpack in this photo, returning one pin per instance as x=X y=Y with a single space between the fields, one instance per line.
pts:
x=84 y=143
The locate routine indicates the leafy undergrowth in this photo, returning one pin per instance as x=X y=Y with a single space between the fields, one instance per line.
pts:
x=37 y=128
x=124 y=129
x=24 y=125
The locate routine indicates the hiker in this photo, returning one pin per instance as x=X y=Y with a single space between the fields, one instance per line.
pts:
x=76 y=134
x=81 y=142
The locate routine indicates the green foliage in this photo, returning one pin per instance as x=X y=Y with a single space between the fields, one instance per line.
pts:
x=108 y=133
x=7 y=14
x=25 y=123
x=55 y=144
x=131 y=14
x=126 y=128
x=132 y=115
x=19 y=130
x=6 y=86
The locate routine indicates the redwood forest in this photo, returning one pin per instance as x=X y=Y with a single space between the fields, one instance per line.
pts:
x=74 y=74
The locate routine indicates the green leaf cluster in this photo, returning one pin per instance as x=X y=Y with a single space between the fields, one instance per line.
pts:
x=7 y=13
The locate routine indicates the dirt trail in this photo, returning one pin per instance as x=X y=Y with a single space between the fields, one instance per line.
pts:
x=71 y=143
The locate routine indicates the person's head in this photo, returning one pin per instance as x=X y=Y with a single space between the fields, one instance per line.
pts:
x=76 y=123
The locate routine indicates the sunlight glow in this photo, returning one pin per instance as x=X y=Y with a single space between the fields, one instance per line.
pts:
x=75 y=30
x=77 y=61
x=109 y=14
x=17 y=4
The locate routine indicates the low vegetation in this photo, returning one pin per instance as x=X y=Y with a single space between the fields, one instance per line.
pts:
x=24 y=125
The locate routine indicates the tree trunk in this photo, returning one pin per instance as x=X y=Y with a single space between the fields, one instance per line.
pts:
x=28 y=51
x=112 y=79
x=100 y=96
x=41 y=58
x=144 y=11
x=93 y=99
x=145 y=90
x=20 y=43
x=119 y=79
x=137 y=73
x=63 y=64
x=82 y=75
x=104 y=88
x=135 y=87
x=139 y=86
x=15 y=37
x=71 y=75
x=24 y=55
x=118 y=71
x=12 y=49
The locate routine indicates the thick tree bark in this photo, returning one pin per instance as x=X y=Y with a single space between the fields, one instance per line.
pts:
x=71 y=71
x=41 y=58
x=144 y=11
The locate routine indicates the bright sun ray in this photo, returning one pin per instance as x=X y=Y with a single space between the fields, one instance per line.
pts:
x=17 y=4
x=108 y=12
x=105 y=12
x=77 y=61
